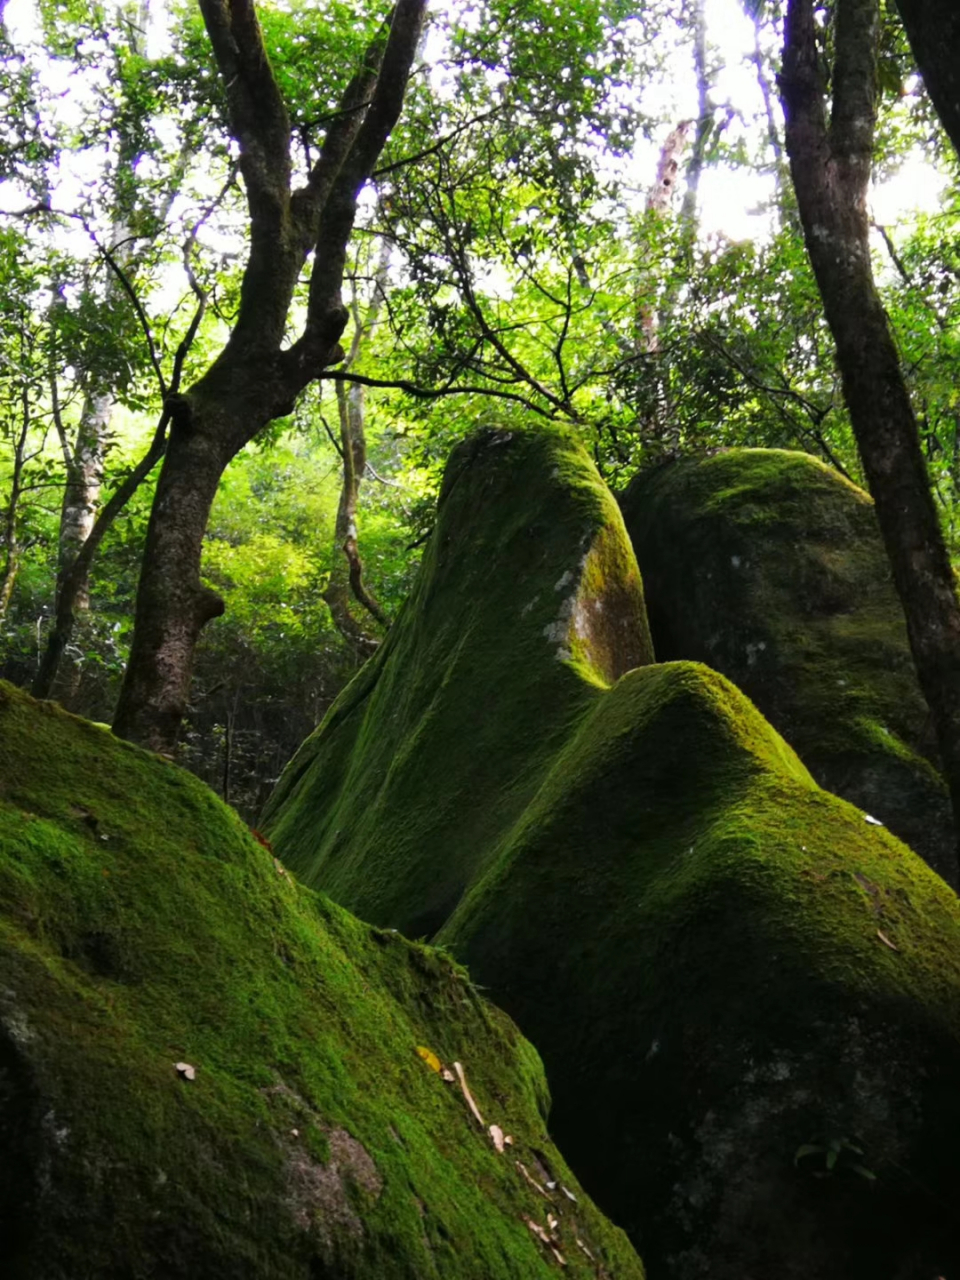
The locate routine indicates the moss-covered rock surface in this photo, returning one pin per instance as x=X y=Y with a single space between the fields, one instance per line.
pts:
x=747 y=996
x=768 y=566
x=528 y=602
x=301 y=1135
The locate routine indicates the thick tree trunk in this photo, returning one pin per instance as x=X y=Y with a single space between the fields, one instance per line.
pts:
x=933 y=28
x=172 y=603
x=831 y=169
x=257 y=378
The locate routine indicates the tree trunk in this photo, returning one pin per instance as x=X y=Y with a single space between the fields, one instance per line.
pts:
x=85 y=461
x=257 y=377
x=172 y=604
x=11 y=516
x=933 y=28
x=831 y=165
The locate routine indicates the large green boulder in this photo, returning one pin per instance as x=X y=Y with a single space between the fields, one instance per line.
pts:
x=747 y=998
x=528 y=602
x=769 y=567
x=746 y=995
x=208 y=1071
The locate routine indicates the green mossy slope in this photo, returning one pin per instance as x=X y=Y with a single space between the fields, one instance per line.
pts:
x=141 y=926
x=730 y=975
x=747 y=997
x=768 y=566
x=528 y=603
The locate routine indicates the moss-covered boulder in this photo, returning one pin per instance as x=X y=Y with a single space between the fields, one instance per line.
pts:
x=747 y=996
x=527 y=603
x=769 y=567
x=207 y=1071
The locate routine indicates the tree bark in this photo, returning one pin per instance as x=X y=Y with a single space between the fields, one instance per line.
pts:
x=255 y=378
x=346 y=576
x=933 y=28
x=831 y=163
x=13 y=551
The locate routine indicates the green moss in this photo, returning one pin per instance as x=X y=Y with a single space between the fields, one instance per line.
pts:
x=528 y=603
x=142 y=926
x=768 y=566
x=719 y=963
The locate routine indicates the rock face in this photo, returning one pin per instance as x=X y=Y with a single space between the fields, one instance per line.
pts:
x=768 y=566
x=301 y=1136
x=528 y=602
x=747 y=997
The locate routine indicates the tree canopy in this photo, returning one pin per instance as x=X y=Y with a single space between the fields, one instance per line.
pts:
x=264 y=265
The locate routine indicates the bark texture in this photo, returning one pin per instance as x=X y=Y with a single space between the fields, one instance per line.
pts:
x=830 y=161
x=933 y=28
x=255 y=378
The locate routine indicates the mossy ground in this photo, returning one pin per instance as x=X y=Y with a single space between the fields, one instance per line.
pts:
x=528 y=603
x=768 y=566
x=141 y=925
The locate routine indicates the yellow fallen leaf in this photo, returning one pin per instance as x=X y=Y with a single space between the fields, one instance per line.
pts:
x=430 y=1058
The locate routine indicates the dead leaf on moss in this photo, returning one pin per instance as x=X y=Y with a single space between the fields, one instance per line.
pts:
x=430 y=1058
x=496 y=1137
x=185 y=1071
x=447 y=1074
x=537 y=1230
x=558 y=1255
x=886 y=941
x=552 y=1222
x=468 y=1095
x=584 y=1248
x=569 y=1194
x=874 y=822
x=531 y=1179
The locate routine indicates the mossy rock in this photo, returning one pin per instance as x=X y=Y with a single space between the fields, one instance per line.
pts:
x=142 y=926
x=528 y=601
x=768 y=566
x=747 y=997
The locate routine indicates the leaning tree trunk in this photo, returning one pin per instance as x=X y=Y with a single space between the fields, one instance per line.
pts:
x=831 y=165
x=933 y=28
x=85 y=460
x=257 y=377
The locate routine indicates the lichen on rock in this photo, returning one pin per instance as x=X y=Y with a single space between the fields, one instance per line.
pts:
x=207 y=1070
